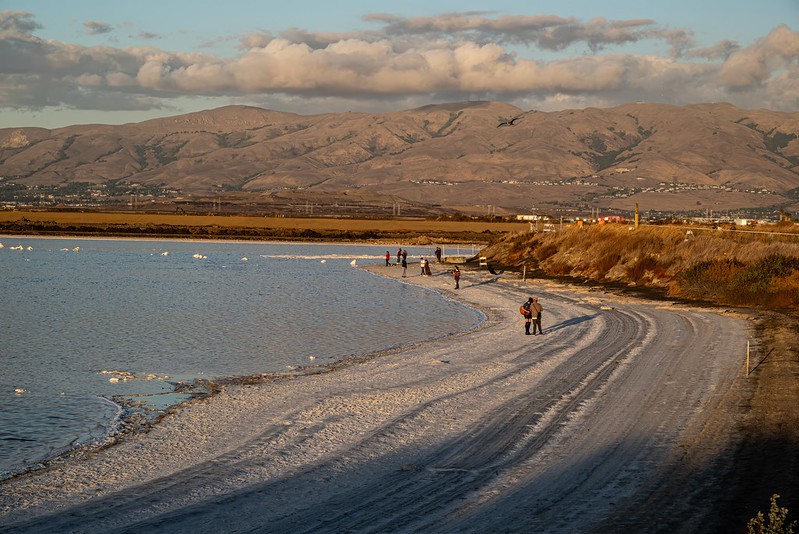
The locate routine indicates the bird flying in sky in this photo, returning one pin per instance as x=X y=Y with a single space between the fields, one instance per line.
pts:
x=506 y=122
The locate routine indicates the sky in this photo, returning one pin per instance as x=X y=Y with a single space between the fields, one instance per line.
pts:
x=118 y=61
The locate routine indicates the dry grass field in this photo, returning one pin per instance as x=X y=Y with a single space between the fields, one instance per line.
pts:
x=725 y=266
x=196 y=226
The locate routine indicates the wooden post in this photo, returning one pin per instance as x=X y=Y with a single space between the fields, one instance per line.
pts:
x=747 y=358
x=524 y=273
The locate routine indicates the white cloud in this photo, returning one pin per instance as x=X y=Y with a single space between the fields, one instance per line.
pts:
x=722 y=50
x=406 y=62
x=14 y=23
x=755 y=65
x=94 y=27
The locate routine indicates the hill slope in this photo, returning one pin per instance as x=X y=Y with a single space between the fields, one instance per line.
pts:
x=712 y=156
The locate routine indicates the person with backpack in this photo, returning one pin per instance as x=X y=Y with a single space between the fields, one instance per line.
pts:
x=526 y=312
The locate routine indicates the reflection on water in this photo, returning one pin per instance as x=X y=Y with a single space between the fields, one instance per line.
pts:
x=178 y=312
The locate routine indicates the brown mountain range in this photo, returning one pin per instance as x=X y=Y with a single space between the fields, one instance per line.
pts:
x=443 y=157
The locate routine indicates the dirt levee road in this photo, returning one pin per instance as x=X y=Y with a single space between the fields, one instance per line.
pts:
x=615 y=419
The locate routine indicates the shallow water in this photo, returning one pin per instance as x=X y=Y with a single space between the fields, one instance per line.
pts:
x=155 y=314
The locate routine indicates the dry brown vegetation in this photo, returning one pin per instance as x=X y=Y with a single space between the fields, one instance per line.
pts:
x=417 y=231
x=722 y=266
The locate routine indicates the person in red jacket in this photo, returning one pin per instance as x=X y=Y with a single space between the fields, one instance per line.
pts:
x=457 y=274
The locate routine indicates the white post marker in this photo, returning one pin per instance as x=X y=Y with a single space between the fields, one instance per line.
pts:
x=747 y=358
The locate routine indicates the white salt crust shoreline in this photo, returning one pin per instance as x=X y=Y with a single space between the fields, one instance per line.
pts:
x=486 y=430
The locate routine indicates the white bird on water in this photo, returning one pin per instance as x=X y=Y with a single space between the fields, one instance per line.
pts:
x=354 y=262
x=323 y=261
x=165 y=253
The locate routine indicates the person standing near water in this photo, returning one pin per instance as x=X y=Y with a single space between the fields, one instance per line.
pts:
x=457 y=274
x=404 y=267
x=399 y=255
x=422 y=265
x=388 y=259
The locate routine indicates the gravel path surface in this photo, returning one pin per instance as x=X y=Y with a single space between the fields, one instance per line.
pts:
x=618 y=417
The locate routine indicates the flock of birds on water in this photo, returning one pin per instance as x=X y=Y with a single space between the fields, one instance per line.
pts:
x=198 y=256
x=77 y=249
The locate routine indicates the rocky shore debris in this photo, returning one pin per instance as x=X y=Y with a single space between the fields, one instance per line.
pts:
x=124 y=376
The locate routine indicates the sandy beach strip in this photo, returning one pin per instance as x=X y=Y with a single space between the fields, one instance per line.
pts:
x=470 y=432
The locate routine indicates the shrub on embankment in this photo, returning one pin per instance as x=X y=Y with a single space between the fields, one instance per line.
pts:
x=723 y=266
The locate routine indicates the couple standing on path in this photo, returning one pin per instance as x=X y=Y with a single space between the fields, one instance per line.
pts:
x=403 y=254
x=402 y=259
x=425 y=266
x=531 y=310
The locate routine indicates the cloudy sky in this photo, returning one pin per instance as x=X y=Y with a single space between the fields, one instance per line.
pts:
x=92 y=61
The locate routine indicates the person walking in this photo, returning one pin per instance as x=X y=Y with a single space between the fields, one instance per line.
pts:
x=399 y=255
x=388 y=259
x=524 y=309
x=438 y=254
x=536 y=309
x=404 y=267
x=457 y=274
x=422 y=265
